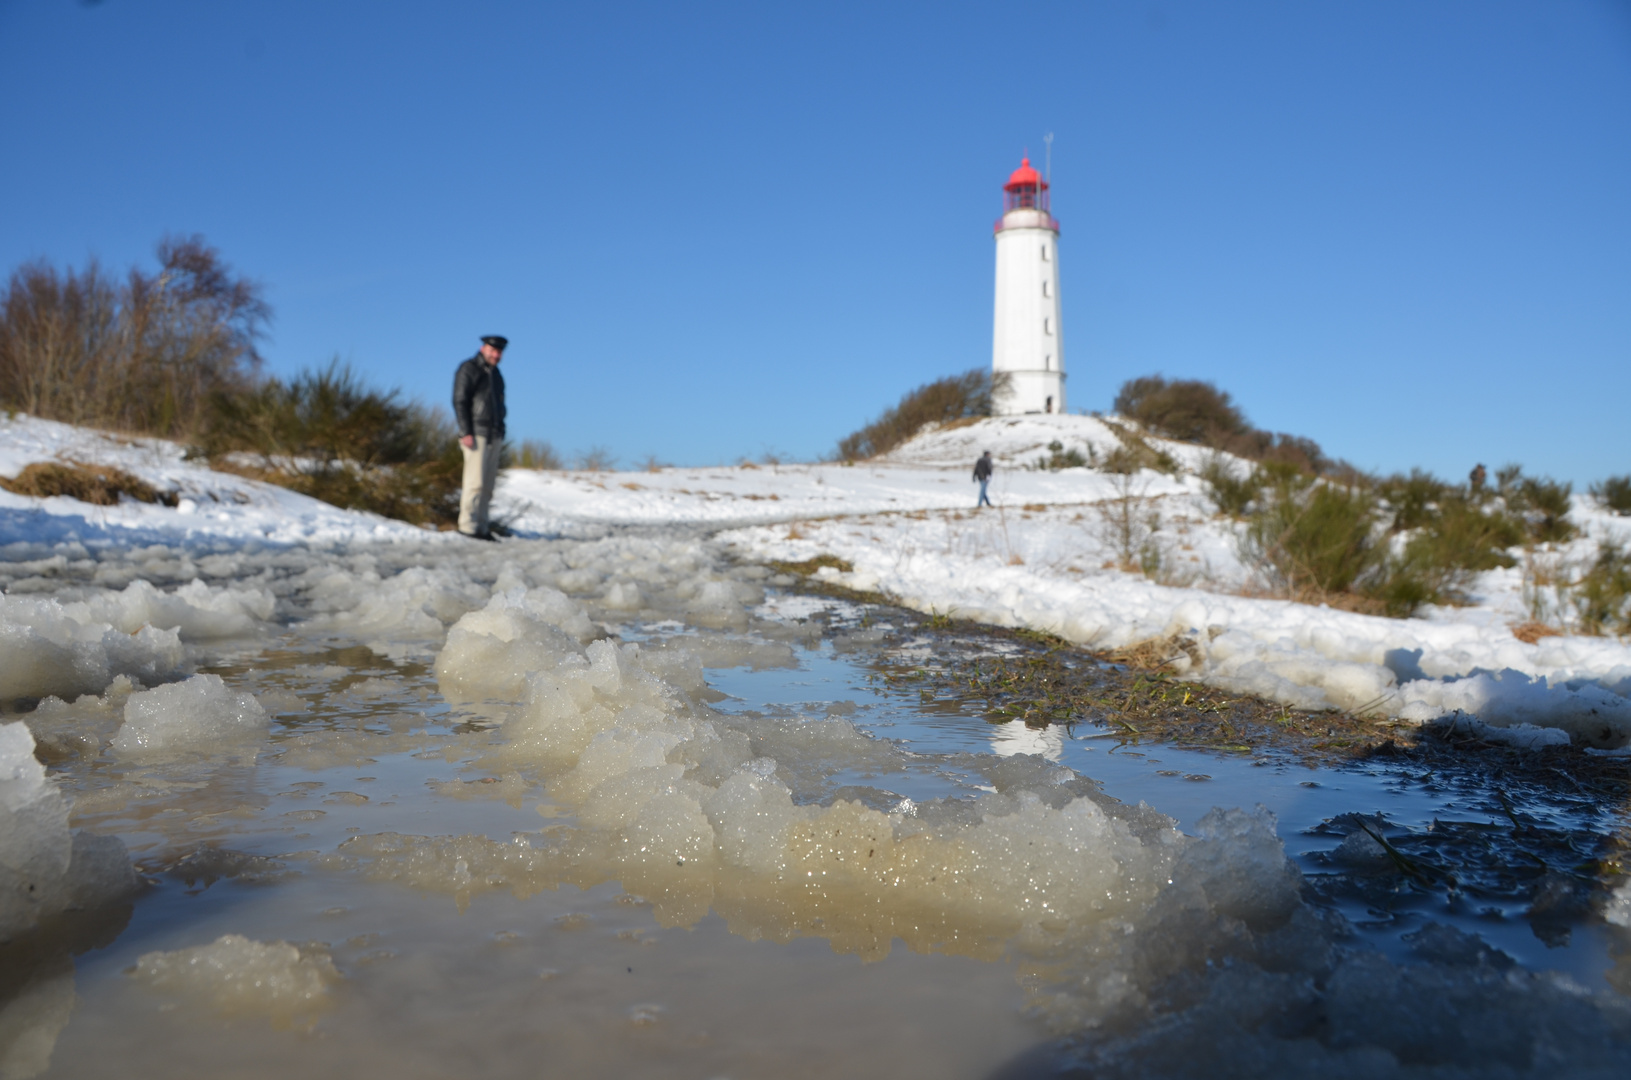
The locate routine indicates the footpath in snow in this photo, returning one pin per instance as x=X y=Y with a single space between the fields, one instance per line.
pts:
x=1045 y=558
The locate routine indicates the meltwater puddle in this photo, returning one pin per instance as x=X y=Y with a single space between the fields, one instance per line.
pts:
x=616 y=807
x=1311 y=804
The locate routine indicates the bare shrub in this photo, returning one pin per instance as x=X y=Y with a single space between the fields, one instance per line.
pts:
x=596 y=459
x=535 y=454
x=941 y=401
x=99 y=485
x=1126 y=524
x=145 y=354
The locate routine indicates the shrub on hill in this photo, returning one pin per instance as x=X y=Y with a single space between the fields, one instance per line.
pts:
x=531 y=454
x=174 y=354
x=1185 y=409
x=1542 y=503
x=326 y=434
x=951 y=398
x=1602 y=597
x=1313 y=539
x=144 y=354
x=1232 y=493
x=1614 y=494
x=1190 y=410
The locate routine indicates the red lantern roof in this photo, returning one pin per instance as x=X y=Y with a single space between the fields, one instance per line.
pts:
x=1025 y=177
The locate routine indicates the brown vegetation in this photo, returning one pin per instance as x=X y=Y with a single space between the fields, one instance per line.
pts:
x=144 y=354
x=173 y=354
x=99 y=485
x=328 y=435
x=1190 y=410
x=945 y=400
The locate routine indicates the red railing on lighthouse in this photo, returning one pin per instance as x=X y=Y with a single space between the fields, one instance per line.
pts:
x=1026 y=190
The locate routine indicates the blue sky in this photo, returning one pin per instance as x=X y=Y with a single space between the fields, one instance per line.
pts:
x=720 y=230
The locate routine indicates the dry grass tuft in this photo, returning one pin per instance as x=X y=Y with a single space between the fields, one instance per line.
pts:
x=1157 y=652
x=1532 y=631
x=99 y=485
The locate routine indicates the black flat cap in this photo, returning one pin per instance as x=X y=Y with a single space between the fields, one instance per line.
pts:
x=497 y=341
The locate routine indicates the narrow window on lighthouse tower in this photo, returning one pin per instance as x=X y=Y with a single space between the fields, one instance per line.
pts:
x=1045 y=291
x=1047 y=326
x=1044 y=253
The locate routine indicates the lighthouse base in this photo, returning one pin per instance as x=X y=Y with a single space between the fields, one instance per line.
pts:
x=1016 y=393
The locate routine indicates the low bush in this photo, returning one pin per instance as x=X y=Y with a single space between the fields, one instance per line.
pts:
x=326 y=434
x=532 y=454
x=1230 y=493
x=1614 y=494
x=1193 y=411
x=1542 y=503
x=99 y=485
x=596 y=459
x=1061 y=458
x=1456 y=537
x=1413 y=499
x=943 y=400
x=1602 y=596
x=1313 y=538
x=1136 y=453
x=1185 y=409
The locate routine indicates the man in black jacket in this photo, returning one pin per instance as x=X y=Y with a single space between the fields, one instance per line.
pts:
x=478 y=408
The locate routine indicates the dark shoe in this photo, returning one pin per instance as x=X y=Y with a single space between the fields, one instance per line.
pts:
x=480 y=536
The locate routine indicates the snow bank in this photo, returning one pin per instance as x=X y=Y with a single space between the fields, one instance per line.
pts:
x=237 y=976
x=211 y=504
x=199 y=715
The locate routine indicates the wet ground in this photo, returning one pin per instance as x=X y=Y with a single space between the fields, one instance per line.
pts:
x=381 y=827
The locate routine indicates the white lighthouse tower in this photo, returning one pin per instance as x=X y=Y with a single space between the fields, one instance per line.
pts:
x=1027 y=346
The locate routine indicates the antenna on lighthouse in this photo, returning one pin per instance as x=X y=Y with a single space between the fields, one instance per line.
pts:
x=1047 y=170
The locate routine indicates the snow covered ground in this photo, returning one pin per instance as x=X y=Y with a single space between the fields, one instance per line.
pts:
x=1045 y=558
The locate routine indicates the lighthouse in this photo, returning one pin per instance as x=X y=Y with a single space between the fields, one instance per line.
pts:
x=1027 y=349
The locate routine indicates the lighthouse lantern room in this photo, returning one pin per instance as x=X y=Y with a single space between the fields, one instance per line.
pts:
x=1027 y=352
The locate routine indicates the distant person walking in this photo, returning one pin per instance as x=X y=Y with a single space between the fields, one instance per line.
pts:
x=478 y=408
x=982 y=473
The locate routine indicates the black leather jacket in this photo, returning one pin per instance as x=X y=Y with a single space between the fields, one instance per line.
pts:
x=478 y=399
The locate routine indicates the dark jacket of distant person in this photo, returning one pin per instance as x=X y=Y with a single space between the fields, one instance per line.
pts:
x=478 y=398
x=982 y=467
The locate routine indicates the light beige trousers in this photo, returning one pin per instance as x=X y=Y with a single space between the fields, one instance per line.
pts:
x=480 y=473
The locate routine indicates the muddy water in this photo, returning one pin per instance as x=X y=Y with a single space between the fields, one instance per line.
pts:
x=567 y=981
x=478 y=917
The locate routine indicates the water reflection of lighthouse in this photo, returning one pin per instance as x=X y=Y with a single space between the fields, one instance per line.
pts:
x=1027 y=345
